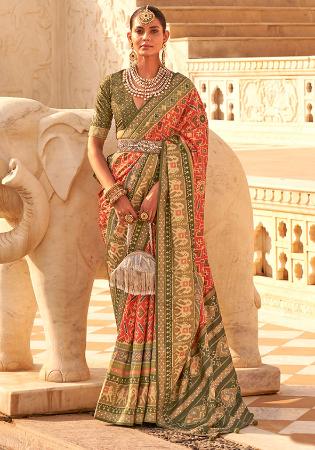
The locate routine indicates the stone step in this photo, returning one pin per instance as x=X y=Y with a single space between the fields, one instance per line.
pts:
x=226 y=14
x=179 y=30
x=266 y=3
x=239 y=47
x=76 y=432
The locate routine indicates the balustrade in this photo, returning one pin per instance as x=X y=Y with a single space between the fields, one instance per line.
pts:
x=284 y=232
x=257 y=90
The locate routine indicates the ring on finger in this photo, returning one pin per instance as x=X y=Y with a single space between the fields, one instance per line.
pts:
x=129 y=218
x=144 y=216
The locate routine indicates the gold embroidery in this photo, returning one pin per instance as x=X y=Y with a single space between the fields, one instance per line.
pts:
x=228 y=396
x=98 y=132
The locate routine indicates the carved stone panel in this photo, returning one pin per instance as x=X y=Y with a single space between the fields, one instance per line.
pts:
x=96 y=45
x=26 y=49
x=268 y=100
x=57 y=51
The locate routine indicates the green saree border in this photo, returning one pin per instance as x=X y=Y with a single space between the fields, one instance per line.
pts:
x=171 y=354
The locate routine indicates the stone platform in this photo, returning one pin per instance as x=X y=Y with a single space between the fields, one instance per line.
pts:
x=23 y=394
x=82 y=432
x=75 y=432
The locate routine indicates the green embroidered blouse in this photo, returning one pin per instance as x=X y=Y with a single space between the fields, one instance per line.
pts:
x=112 y=100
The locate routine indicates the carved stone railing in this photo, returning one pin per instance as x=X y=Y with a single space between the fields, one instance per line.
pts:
x=284 y=242
x=244 y=94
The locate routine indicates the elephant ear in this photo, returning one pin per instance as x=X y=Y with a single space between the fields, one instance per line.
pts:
x=62 y=148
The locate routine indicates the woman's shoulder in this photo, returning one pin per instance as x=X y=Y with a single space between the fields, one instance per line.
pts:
x=184 y=79
x=109 y=78
x=106 y=78
x=116 y=75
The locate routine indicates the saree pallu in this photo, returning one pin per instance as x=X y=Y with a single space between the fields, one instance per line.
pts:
x=171 y=364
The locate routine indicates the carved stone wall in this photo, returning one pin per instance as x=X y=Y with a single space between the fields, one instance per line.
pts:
x=96 y=45
x=26 y=49
x=57 y=51
x=277 y=90
x=258 y=99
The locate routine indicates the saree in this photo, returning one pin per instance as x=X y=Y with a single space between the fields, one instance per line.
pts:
x=171 y=363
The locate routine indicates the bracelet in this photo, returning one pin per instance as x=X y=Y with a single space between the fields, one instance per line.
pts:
x=114 y=193
x=115 y=197
x=112 y=189
x=117 y=187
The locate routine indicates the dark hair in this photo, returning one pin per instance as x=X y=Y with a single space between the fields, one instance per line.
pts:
x=158 y=14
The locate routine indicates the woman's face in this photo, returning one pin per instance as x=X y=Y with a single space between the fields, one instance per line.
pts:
x=147 y=39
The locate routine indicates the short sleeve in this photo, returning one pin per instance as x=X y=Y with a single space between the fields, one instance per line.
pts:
x=102 y=117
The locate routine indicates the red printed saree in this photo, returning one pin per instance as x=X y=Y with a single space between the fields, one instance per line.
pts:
x=171 y=364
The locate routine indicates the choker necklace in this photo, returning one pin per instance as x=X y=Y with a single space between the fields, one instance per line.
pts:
x=144 y=87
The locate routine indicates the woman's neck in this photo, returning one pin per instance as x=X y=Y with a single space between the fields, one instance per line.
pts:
x=148 y=67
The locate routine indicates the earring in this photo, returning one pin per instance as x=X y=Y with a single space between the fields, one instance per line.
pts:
x=132 y=56
x=163 y=54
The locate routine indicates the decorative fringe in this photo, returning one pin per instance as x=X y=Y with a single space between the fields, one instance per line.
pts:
x=135 y=274
x=195 y=442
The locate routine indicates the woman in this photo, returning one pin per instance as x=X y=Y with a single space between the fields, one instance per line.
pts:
x=171 y=364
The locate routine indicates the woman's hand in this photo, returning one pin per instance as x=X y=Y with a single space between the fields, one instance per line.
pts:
x=149 y=203
x=122 y=207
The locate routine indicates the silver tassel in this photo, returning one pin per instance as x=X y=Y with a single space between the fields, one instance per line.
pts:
x=136 y=272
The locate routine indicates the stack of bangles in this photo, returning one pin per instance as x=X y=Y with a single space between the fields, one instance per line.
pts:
x=114 y=193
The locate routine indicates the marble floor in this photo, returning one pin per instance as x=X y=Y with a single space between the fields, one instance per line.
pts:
x=288 y=414
x=276 y=161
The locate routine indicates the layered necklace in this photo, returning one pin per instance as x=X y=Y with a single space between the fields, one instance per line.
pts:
x=144 y=87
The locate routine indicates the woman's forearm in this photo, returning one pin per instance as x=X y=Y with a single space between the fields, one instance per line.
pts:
x=98 y=162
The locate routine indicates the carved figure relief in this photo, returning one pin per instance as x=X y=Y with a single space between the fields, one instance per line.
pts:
x=268 y=100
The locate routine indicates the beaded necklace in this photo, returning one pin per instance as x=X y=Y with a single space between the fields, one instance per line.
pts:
x=146 y=88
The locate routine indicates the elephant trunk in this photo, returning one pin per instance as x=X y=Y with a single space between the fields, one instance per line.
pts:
x=11 y=205
x=31 y=228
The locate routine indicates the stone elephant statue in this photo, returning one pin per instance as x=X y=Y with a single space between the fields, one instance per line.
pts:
x=53 y=248
x=230 y=243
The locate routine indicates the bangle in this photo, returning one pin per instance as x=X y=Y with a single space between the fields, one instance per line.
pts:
x=114 y=193
x=115 y=197
x=113 y=188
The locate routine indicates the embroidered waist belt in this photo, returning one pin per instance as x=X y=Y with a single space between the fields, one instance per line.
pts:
x=132 y=145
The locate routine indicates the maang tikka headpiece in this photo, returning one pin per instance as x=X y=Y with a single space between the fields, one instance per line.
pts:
x=146 y=16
